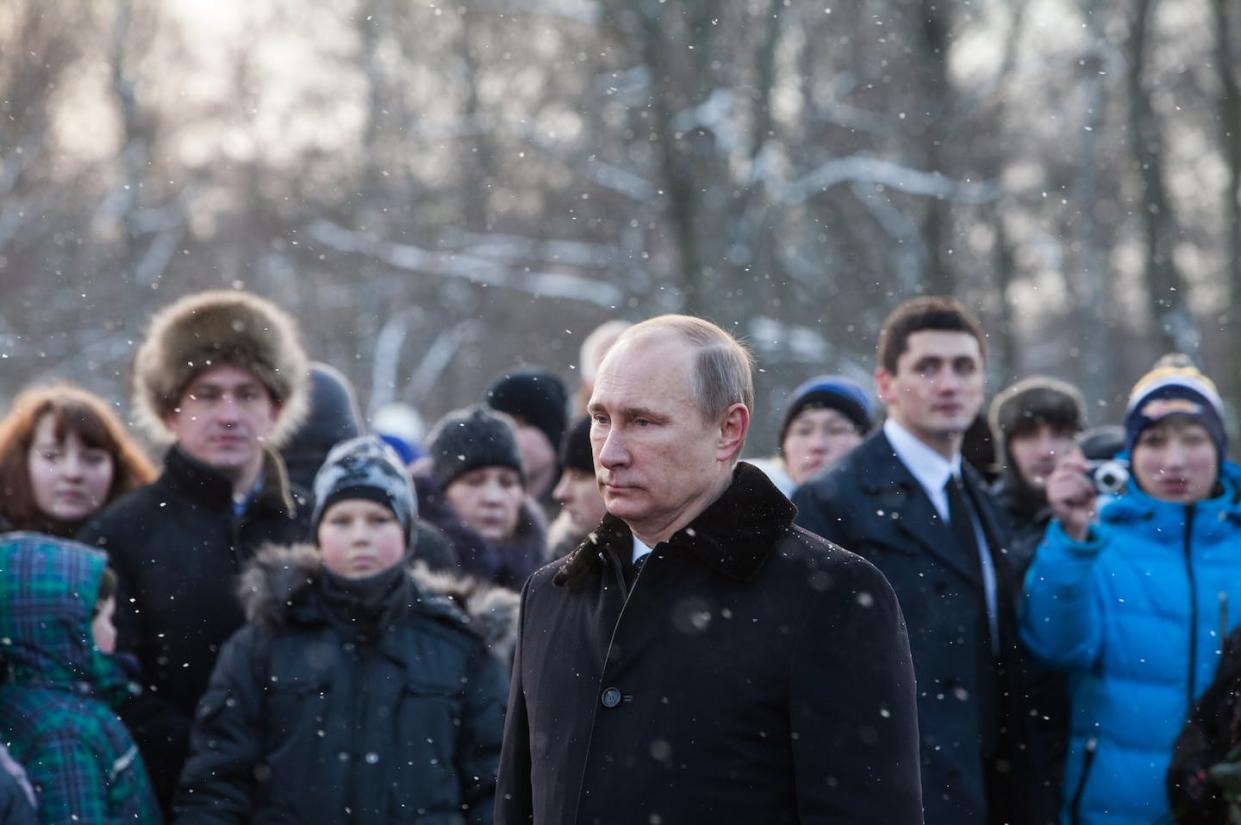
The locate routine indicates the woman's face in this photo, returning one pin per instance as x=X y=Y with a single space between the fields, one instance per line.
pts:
x=815 y=438
x=487 y=499
x=69 y=479
x=1176 y=461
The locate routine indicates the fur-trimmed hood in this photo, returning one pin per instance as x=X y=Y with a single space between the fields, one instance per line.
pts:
x=276 y=579
x=215 y=328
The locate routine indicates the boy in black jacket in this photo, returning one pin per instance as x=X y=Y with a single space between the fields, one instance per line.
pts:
x=351 y=695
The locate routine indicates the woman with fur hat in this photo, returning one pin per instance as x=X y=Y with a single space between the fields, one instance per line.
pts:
x=63 y=457
x=1131 y=600
x=476 y=495
x=352 y=694
x=223 y=378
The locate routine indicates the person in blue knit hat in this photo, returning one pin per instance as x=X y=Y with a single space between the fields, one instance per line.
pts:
x=827 y=417
x=1132 y=600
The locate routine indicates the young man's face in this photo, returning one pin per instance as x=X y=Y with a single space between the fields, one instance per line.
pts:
x=1036 y=449
x=360 y=538
x=936 y=391
x=223 y=420
x=1176 y=460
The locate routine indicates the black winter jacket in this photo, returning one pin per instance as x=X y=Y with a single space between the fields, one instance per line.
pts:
x=308 y=720
x=753 y=674
x=178 y=552
x=1212 y=731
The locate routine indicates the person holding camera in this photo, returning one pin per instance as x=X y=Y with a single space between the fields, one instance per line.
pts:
x=1130 y=597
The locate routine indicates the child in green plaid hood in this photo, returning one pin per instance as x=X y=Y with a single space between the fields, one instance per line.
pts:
x=61 y=684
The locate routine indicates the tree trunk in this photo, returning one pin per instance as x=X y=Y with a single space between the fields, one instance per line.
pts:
x=1230 y=137
x=1174 y=325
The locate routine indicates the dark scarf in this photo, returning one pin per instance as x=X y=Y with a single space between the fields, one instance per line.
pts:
x=364 y=608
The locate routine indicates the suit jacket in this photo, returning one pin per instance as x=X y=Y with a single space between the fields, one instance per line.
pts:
x=753 y=673
x=969 y=707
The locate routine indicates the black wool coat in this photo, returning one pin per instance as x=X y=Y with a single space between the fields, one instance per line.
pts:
x=970 y=703
x=178 y=551
x=753 y=673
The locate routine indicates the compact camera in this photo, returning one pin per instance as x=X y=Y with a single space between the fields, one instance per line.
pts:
x=1108 y=476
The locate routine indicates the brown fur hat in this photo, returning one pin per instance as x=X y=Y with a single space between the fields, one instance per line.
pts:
x=218 y=327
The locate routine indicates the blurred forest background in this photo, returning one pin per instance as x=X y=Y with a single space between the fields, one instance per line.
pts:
x=441 y=190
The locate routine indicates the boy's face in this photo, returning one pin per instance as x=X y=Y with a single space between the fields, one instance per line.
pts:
x=359 y=538
x=102 y=629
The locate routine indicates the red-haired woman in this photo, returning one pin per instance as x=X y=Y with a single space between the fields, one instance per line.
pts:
x=63 y=455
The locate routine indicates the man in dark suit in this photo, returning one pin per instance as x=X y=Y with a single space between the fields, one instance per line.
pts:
x=904 y=500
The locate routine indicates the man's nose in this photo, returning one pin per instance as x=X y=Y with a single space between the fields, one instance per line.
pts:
x=229 y=409
x=612 y=452
x=561 y=492
x=947 y=379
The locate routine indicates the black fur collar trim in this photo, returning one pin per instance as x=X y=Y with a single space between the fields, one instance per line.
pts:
x=733 y=536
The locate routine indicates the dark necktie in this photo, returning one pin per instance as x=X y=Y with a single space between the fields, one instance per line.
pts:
x=961 y=521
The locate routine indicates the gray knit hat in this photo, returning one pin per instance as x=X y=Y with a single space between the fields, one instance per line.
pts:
x=467 y=439
x=369 y=469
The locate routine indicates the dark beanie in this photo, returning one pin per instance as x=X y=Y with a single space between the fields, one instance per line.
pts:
x=1175 y=387
x=468 y=439
x=365 y=468
x=333 y=418
x=534 y=395
x=1036 y=400
x=575 y=448
x=834 y=392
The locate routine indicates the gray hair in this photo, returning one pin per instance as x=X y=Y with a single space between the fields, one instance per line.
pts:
x=723 y=370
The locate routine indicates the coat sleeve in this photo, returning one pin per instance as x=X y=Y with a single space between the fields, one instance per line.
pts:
x=514 y=797
x=70 y=781
x=1061 y=619
x=217 y=785
x=853 y=706
x=478 y=746
x=1205 y=741
x=816 y=514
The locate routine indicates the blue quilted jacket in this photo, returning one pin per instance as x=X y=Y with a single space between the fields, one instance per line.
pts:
x=1137 y=615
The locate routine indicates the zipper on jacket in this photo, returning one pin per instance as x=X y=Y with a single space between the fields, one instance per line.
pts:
x=1075 y=805
x=1187 y=546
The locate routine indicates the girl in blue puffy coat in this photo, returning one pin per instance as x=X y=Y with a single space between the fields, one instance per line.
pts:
x=1134 y=598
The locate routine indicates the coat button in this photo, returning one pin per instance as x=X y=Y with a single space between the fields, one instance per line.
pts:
x=611 y=697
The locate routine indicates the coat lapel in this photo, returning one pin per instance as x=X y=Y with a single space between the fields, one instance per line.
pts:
x=911 y=512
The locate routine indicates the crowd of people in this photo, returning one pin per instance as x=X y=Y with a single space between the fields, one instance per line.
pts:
x=577 y=605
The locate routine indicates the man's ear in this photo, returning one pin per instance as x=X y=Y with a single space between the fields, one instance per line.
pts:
x=883 y=383
x=733 y=429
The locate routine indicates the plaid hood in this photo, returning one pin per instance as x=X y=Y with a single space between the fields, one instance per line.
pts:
x=47 y=602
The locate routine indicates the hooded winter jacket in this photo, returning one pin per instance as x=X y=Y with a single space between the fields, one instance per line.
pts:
x=311 y=717
x=56 y=699
x=1136 y=614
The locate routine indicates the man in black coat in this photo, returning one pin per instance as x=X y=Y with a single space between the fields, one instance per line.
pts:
x=904 y=500
x=700 y=659
x=223 y=376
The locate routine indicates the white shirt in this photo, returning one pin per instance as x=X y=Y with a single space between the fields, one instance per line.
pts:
x=639 y=549
x=932 y=471
x=930 y=468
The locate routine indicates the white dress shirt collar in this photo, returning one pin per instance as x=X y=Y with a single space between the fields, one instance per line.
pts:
x=930 y=468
